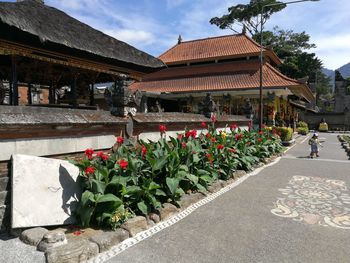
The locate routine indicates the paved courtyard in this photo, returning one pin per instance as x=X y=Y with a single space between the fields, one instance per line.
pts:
x=297 y=210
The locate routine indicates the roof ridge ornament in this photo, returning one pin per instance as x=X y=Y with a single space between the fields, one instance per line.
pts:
x=179 y=40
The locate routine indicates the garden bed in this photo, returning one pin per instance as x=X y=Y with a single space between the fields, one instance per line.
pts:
x=345 y=142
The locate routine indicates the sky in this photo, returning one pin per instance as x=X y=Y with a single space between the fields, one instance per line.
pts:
x=153 y=26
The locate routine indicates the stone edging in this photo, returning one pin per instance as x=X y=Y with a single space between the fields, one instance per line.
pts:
x=344 y=144
x=230 y=184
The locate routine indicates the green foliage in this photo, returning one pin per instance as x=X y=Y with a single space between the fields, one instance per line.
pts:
x=302 y=124
x=247 y=15
x=286 y=133
x=137 y=179
x=303 y=130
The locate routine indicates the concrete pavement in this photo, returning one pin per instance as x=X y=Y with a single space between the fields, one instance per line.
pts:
x=295 y=211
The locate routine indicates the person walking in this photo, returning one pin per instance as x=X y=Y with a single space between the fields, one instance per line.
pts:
x=314 y=143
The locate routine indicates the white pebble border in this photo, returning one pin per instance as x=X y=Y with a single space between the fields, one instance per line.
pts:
x=117 y=249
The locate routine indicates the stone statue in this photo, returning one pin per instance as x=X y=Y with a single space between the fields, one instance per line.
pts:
x=121 y=100
x=157 y=107
x=248 y=109
x=209 y=106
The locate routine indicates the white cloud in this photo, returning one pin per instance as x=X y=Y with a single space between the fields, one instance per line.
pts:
x=131 y=36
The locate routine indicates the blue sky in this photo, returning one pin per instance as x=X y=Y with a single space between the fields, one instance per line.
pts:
x=154 y=25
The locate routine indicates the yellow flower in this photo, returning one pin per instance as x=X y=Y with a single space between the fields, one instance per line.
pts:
x=223 y=134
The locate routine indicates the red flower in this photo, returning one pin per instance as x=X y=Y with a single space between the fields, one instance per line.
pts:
x=89 y=170
x=212 y=139
x=220 y=147
x=213 y=118
x=89 y=152
x=239 y=136
x=120 y=140
x=232 y=150
x=184 y=145
x=103 y=156
x=77 y=233
x=259 y=139
x=179 y=136
x=208 y=135
x=143 y=150
x=210 y=159
x=233 y=126
x=162 y=129
x=191 y=133
x=123 y=164
x=203 y=125
x=261 y=133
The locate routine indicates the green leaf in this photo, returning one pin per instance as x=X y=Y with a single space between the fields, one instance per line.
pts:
x=159 y=164
x=98 y=186
x=143 y=207
x=108 y=198
x=85 y=214
x=172 y=184
x=192 y=178
x=160 y=192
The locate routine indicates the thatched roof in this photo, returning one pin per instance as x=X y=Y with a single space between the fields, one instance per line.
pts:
x=52 y=26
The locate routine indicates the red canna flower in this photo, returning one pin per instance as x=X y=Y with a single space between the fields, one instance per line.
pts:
x=183 y=145
x=102 y=155
x=213 y=118
x=208 y=135
x=120 y=140
x=220 y=147
x=232 y=150
x=233 y=126
x=89 y=152
x=210 y=159
x=143 y=150
x=212 y=139
x=259 y=139
x=239 y=136
x=179 y=136
x=191 y=133
x=123 y=164
x=203 y=125
x=162 y=129
x=261 y=133
x=89 y=170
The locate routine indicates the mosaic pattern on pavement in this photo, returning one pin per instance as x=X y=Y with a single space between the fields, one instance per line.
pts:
x=315 y=200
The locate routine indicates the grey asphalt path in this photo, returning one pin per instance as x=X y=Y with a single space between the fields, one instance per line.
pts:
x=239 y=226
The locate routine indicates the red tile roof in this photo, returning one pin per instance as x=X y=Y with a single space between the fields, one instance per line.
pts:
x=216 y=77
x=222 y=47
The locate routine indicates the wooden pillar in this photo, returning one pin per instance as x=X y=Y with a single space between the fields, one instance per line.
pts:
x=14 y=81
x=52 y=93
x=74 y=91
x=92 y=100
x=29 y=94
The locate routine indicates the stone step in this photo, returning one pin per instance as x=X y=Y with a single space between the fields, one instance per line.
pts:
x=4 y=198
x=4 y=183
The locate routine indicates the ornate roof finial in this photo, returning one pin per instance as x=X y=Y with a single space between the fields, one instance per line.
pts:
x=179 y=40
x=244 y=30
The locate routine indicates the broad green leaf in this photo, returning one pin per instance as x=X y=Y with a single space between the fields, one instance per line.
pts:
x=108 y=198
x=192 y=178
x=143 y=207
x=172 y=184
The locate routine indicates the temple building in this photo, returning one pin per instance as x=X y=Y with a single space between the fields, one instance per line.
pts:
x=43 y=49
x=224 y=70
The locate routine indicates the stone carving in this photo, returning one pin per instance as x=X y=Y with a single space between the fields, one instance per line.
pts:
x=209 y=106
x=157 y=107
x=315 y=200
x=248 y=109
x=121 y=100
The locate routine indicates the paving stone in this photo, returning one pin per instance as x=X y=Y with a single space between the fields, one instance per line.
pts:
x=52 y=239
x=239 y=173
x=135 y=225
x=189 y=199
x=106 y=240
x=33 y=236
x=80 y=250
x=167 y=211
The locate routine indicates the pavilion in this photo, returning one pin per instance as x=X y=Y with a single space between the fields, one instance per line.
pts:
x=42 y=47
x=228 y=68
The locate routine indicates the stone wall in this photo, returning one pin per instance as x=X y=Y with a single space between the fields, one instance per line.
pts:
x=335 y=121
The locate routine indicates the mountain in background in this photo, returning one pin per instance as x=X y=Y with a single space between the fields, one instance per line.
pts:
x=344 y=70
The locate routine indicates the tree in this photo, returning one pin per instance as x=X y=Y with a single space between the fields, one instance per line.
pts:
x=247 y=16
